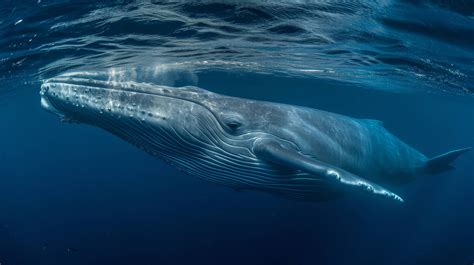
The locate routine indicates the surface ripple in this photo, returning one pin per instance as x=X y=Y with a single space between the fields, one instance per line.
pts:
x=383 y=44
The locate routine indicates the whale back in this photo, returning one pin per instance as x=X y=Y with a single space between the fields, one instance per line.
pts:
x=361 y=146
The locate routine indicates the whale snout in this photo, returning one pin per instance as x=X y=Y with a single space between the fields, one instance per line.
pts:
x=46 y=104
x=89 y=100
x=68 y=97
x=46 y=101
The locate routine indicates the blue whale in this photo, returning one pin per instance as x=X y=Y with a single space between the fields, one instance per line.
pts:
x=290 y=151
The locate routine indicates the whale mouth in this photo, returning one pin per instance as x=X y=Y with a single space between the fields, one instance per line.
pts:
x=46 y=104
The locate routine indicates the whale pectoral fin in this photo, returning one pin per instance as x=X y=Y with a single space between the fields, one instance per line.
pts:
x=272 y=151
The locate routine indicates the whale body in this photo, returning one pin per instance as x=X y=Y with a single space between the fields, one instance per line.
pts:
x=290 y=151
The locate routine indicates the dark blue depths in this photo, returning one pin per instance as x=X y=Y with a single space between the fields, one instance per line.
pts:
x=73 y=194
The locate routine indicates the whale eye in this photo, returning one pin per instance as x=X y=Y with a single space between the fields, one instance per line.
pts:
x=232 y=122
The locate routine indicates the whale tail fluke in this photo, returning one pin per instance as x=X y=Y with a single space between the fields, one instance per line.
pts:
x=443 y=162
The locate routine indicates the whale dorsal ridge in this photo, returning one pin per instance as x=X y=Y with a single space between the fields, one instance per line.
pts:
x=374 y=122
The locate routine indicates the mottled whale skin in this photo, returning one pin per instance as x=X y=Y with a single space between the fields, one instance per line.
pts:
x=286 y=150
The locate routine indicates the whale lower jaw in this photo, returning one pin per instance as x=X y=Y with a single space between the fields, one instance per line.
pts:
x=46 y=104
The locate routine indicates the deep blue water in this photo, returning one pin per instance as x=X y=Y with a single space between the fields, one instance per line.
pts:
x=74 y=194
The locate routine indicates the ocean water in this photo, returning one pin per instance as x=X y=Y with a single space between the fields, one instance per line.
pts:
x=75 y=194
